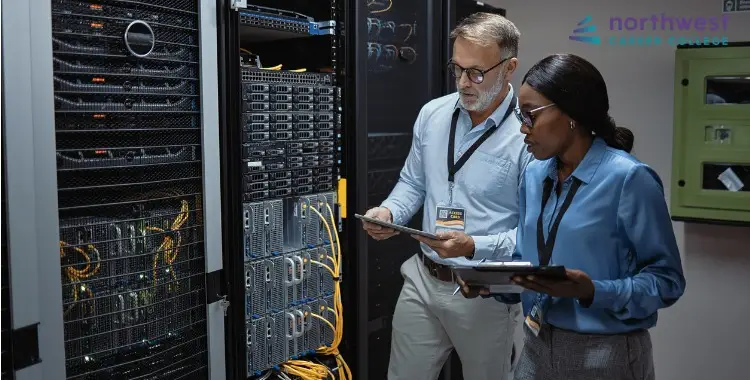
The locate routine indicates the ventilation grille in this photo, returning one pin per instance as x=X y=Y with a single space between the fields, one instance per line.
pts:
x=129 y=176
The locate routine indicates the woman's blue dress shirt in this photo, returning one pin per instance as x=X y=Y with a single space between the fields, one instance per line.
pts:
x=617 y=230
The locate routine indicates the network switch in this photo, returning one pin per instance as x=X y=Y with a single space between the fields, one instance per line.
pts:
x=285 y=21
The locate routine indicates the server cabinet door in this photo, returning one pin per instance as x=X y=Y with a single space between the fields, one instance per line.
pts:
x=398 y=70
x=114 y=229
x=216 y=295
x=28 y=146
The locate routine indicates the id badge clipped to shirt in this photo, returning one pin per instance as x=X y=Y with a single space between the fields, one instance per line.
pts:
x=450 y=219
x=535 y=319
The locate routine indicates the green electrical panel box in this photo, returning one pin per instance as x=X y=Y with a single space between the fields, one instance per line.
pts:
x=711 y=148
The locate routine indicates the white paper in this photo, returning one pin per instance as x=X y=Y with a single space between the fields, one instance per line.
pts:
x=731 y=180
x=504 y=264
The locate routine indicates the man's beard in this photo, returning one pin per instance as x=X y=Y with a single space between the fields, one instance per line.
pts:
x=484 y=99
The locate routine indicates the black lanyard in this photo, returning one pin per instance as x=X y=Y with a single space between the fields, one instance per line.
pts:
x=545 y=248
x=453 y=166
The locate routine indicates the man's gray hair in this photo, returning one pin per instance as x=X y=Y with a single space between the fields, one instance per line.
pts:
x=485 y=29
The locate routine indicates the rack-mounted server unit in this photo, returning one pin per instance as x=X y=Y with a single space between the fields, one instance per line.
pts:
x=123 y=104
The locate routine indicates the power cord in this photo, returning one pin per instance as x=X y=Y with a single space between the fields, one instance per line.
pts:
x=338 y=308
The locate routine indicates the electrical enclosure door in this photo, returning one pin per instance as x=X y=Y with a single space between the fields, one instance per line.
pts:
x=711 y=179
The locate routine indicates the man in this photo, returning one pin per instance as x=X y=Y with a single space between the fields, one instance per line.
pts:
x=475 y=200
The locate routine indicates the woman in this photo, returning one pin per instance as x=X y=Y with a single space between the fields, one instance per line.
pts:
x=590 y=206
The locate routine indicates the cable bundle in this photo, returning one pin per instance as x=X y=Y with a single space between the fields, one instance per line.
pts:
x=307 y=370
x=311 y=371
x=168 y=246
x=76 y=275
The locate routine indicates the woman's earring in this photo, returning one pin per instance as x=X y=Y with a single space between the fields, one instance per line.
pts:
x=572 y=125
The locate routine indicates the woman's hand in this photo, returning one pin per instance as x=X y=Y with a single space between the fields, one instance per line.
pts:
x=471 y=291
x=577 y=285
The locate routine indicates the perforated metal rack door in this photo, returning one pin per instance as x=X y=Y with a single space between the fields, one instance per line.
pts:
x=130 y=188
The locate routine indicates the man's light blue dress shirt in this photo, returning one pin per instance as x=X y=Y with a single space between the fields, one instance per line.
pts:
x=617 y=230
x=486 y=187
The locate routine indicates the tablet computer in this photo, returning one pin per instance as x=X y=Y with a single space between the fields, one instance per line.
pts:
x=397 y=227
x=555 y=272
x=492 y=274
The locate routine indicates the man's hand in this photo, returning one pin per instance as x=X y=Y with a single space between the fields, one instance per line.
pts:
x=450 y=244
x=577 y=285
x=469 y=291
x=379 y=232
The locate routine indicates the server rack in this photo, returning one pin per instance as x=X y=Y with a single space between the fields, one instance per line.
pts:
x=282 y=99
x=110 y=134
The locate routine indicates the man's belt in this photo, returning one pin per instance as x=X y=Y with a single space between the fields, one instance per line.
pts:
x=439 y=271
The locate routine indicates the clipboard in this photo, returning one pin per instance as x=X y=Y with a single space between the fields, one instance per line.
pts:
x=397 y=227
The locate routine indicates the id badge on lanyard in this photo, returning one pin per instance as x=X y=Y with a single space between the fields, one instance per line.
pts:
x=535 y=319
x=450 y=219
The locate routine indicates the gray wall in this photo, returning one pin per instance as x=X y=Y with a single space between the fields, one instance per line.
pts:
x=704 y=336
